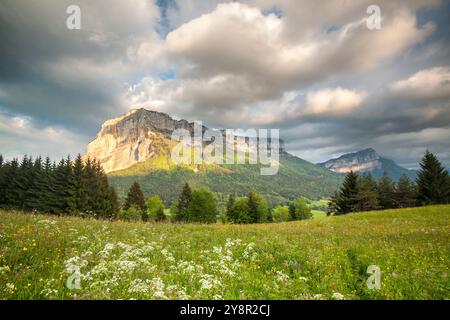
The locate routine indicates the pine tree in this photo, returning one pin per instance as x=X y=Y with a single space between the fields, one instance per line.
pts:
x=253 y=207
x=10 y=174
x=135 y=198
x=3 y=167
x=386 y=192
x=34 y=193
x=433 y=184
x=229 y=208
x=346 y=199
x=48 y=194
x=367 y=194
x=183 y=203
x=405 y=193
x=23 y=182
x=80 y=199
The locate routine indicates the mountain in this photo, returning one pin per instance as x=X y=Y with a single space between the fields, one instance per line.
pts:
x=137 y=147
x=367 y=160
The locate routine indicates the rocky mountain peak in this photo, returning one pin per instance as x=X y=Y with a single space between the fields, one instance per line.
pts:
x=137 y=136
x=360 y=161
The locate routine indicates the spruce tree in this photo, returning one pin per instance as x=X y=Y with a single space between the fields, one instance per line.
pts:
x=2 y=181
x=135 y=198
x=183 y=203
x=346 y=200
x=433 y=184
x=10 y=175
x=229 y=207
x=34 y=192
x=79 y=181
x=386 y=192
x=253 y=207
x=367 y=193
x=405 y=193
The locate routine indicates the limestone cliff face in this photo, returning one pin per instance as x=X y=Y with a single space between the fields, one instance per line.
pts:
x=362 y=161
x=137 y=136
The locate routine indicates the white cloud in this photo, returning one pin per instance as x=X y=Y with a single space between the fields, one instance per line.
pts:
x=19 y=136
x=425 y=84
x=236 y=55
x=336 y=101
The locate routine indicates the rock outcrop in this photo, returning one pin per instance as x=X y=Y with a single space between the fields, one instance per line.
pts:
x=367 y=160
x=137 y=136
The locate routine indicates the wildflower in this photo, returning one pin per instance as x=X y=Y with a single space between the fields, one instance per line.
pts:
x=338 y=296
x=157 y=286
x=281 y=277
x=10 y=288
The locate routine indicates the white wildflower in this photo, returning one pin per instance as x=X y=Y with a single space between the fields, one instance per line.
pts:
x=338 y=296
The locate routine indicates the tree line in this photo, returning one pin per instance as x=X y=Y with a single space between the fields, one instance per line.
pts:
x=71 y=187
x=200 y=206
x=363 y=193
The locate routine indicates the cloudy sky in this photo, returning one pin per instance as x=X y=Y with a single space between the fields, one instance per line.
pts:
x=311 y=68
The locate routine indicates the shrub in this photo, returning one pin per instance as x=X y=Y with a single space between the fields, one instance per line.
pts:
x=131 y=214
x=280 y=214
x=299 y=210
x=202 y=207
x=154 y=205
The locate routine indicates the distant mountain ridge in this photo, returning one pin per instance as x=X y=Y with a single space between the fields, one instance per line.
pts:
x=137 y=147
x=367 y=160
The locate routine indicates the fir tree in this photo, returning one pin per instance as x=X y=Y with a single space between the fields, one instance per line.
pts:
x=253 y=207
x=229 y=207
x=80 y=199
x=433 y=184
x=346 y=200
x=405 y=193
x=135 y=198
x=386 y=192
x=183 y=203
x=367 y=193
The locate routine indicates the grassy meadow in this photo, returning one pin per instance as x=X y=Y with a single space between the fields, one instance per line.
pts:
x=323 y=258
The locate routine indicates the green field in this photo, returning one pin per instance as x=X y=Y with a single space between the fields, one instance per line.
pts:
x=324 y=258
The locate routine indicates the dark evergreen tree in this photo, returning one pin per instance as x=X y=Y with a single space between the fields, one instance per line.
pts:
x=433 y=185
x=253 y=208
x=33 y=195
x=10 y=174
x=229 y=208
x=346 y=199
x=386 y=192
x=405 y=193
x=135 y=198
x=80 y=197
x=2 y=181
x=367 y=193
x=183 y=203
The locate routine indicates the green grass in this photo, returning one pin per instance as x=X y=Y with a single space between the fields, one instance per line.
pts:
x=315 y=259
